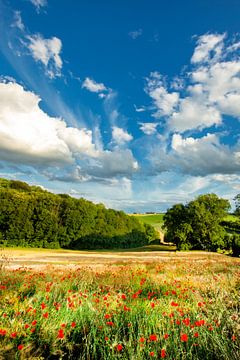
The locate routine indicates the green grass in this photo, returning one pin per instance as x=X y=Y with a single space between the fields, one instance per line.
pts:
x=174 y=309
x=231 y=217
x=156 y=220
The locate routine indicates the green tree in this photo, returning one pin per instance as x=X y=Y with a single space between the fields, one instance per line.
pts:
x=196 y=225
x=237 y=204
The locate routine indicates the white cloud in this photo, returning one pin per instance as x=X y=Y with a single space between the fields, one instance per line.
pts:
x=120 y=136
x=209 y=46
x=47 y=51
x=194 y=114
x=164 y=101
x=39 y=3
x=29 y=136
x=18 y=21
x=196 y=156
x=211 y=92
x=135 y=33
x=93 y=86
x=149 y=128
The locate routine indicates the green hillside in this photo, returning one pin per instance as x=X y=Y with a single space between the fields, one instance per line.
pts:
x=155 y=220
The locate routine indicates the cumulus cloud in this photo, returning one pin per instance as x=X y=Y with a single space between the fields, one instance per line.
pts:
x=47 y=51
x=194 y=114
x=209 y=46
x=148 y=128
x=120 y=136
x=135 y=33
x=207 y=93
x=197 y=156
x=92 y=86
x=31 y=137
x=164 y=102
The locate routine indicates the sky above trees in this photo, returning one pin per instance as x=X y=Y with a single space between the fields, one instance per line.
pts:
x=134 y=104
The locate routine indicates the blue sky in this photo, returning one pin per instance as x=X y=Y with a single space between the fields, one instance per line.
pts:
x=135 y=104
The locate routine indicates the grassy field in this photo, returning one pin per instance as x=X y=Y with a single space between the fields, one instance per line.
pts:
x=177 y=306
x=155 y=220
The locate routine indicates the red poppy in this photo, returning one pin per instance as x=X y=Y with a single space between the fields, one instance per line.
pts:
x=166 y=336
x=142 y=339
x=3 y=332
x=233 y=338
x=45 y=315
x=163 y=353
x=20 y=347
x=152 y=353
x=119 y=347
x=186 y=321
x=107 y=316
x=184 y=337
x=109 y=323
x=153 y=337
x=60 y=334
x=73 y=324
x=13 y=335
x=196 y=334
x=43 y=306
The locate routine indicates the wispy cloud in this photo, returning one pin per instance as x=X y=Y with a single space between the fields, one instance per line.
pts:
x=39 y=4
x=95 y=87
x=135 y=33
x=47 y=52
x=17 y=21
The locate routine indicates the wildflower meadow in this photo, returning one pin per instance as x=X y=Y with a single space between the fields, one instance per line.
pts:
x=175 y=309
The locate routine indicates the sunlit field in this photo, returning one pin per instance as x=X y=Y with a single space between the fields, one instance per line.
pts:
x=176 y=307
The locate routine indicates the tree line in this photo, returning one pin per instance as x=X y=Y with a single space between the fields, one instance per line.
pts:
x=202 y=224
x=33 y=217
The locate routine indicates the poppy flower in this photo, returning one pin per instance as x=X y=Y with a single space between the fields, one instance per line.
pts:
x=119 y=347
x=153 y=337
x=163 y=353
x=60 y=334
x=184 y=337
x=142 y=339
x=73 y=324
x=20 y=347
x=152 y=353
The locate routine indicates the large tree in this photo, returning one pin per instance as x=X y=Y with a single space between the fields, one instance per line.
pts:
x=237 y=204
x=196 y=225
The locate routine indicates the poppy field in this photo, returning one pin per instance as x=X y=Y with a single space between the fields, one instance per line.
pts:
x=174 y=309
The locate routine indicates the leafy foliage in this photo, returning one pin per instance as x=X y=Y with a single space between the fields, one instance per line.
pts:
x=33 y=217
x=197 y=224
x=237 y=204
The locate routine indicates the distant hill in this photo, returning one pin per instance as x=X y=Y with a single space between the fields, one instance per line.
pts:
x=155 y=220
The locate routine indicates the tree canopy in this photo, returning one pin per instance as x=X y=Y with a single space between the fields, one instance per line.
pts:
x=197 y=225
x=33 y=217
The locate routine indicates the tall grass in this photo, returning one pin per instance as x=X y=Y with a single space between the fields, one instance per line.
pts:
x=176 y=309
